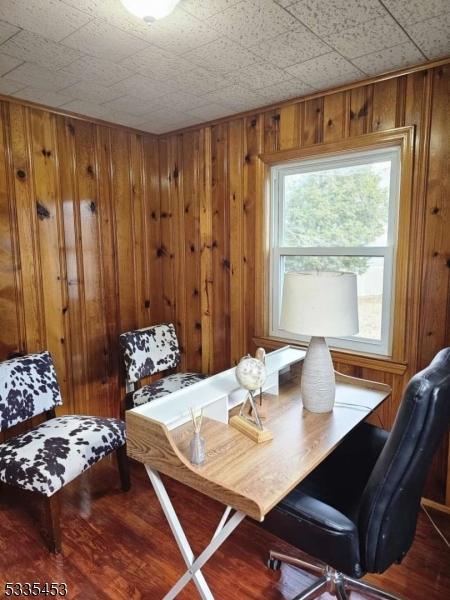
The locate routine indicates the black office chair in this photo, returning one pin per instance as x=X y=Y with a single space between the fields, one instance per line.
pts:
x=357 y=512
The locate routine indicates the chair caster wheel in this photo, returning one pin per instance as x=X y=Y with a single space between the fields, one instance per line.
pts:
x=274 y=564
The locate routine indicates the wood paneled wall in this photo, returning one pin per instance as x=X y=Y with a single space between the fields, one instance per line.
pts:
x=103 y=230
x=78 y=246
x=213 y=197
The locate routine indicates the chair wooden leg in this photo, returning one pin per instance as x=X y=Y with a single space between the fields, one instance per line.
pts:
x=124 y=467
x=52 y=518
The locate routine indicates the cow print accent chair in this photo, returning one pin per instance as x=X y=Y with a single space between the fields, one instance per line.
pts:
x=45 y=458
x=147 y=352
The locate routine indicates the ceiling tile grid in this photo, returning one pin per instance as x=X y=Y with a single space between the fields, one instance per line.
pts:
x=209 y=58
x=53 y=21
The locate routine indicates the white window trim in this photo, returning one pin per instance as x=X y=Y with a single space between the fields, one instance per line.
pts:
x=388 y=252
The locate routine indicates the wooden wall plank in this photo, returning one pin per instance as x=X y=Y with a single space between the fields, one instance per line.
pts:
x=89 y=206
x=253 y=145
x=436 y=272
x=272 y=121
x=190 y=213
x=334 y=117
x=206 y=240
x=290 y=126
x=179 y=241
x=28 y=255
x=312 y=122
x=418 y=101
x=152 y=242
x=220 y=247
x=11 y=318
x=359 y=111
x=237 y=265
x=74 y=309
x=50 y=235
x=139 y=230
x=110 y=271
x=166 y=250
x=384 y=105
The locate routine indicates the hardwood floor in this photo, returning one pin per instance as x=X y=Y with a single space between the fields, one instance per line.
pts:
x=118 y=546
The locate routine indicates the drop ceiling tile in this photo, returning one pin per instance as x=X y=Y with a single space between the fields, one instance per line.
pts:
x=432 y=36
x=99 y=9
x=288 y=48
x=157 y=63
x=41 y=78
x=114 y=13
x=221 y=56
x=100 y=71
x=9 y=87
x=91 y=91
x=331 y=16
x=50 y=18
x=203 y=10
x=371 y=36
x=180 y=32
x=293 y=88
x=403 y=55
x=325 y=71
x=199 y=81
x=252 y=21
x=285 y=3
x=181 y=101
x=207 y=112
x=123 y=119
x=35 y=48
x=164 y=120
x=89 y=109
x=8 y=63
x=132 y=105
x=258 y=75
x=236 y=97
x=142 y=87
x=408 y=12
x=103 y=40
x=41 y=96
x=6 y=30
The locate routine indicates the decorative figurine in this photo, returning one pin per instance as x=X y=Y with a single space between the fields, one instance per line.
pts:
x=251 y=375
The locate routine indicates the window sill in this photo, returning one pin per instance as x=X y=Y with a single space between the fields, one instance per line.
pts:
x=369 y=361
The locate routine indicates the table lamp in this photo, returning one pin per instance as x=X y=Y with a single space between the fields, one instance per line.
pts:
x=319 y=304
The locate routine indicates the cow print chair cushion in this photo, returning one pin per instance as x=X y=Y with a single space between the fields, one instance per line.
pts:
x=28 y=387
x=164 y=386
x=149 y=351
x=51 y=455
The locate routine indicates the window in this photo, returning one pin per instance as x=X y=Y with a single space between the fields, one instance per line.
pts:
x=339 y=213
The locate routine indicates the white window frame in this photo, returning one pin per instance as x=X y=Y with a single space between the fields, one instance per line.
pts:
x=388 y=253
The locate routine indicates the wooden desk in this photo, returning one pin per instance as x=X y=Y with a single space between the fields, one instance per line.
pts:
x=247 y=477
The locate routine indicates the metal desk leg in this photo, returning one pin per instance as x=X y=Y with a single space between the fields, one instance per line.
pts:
x=193 y=564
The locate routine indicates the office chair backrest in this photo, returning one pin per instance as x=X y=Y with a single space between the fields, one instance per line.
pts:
x=28 y=387
x=391 y=500
x=149 y=351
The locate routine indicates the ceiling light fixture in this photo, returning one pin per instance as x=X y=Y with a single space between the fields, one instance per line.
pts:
x=150 y=10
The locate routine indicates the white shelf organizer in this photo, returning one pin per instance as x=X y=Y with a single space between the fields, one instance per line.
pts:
x=216 y=394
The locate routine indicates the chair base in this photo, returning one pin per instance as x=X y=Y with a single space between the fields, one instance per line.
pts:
x=330 y=580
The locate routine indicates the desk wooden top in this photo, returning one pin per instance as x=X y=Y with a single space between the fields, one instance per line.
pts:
x=255 y=477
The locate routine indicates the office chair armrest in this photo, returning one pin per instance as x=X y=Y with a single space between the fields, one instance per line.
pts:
x=304 y=507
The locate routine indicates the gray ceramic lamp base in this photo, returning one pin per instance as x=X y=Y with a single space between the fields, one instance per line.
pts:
x=318 y=384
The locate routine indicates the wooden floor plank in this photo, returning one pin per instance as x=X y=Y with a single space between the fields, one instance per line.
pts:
x=118 y=546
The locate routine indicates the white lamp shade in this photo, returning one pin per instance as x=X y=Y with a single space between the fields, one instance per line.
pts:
x=320 y=303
